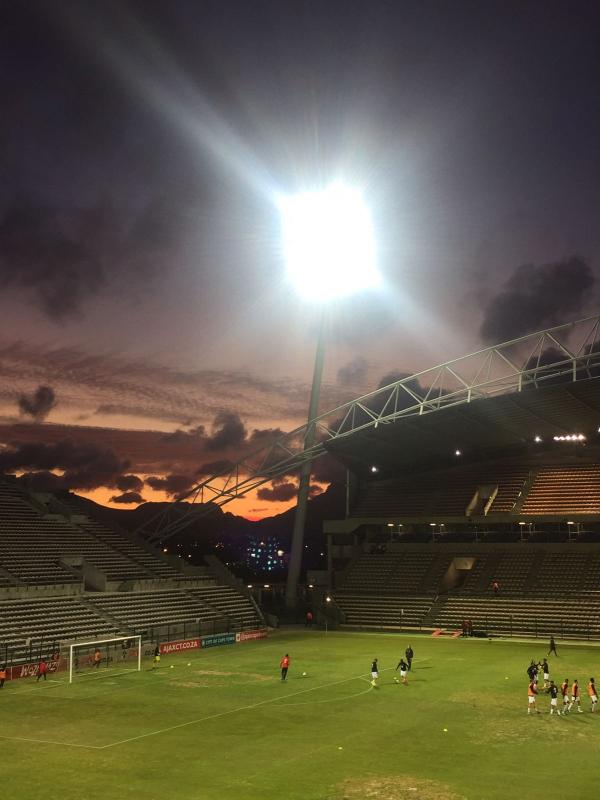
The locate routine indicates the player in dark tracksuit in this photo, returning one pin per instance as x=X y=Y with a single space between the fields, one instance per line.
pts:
x=409 y=657
x=553 y=692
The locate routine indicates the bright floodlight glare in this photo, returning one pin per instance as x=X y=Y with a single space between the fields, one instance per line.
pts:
x=328 y=242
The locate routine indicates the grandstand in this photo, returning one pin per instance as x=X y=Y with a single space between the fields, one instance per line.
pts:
x=495 y=486
x=65 y=577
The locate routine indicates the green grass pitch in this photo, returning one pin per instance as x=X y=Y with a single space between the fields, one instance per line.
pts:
x=226 y=726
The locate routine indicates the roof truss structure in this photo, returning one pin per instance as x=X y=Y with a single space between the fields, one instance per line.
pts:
x=566 y=353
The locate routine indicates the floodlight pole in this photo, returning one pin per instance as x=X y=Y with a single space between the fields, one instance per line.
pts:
x=295 y=564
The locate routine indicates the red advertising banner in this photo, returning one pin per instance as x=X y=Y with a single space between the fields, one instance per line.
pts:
x=31 y=670
x=246 y=636
x=179 y=646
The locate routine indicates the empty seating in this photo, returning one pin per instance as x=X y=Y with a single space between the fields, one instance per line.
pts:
x=576 y=618
x=378 y=611
x=564 y=490
x=442 y=493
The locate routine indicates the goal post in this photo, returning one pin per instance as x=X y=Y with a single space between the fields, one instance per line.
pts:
x=102 y=656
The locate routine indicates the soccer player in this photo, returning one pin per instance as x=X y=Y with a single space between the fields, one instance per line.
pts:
x=284 y=665
x=552 y=647
x=532 y=671
x=156 y=663
x=42 y=670
x=592 y=694
x=2 y=675
x=403 y=670
x=409 y=656
x=575 y=698
x=553 y=690
x=374 y=673
x=531 y=695
x=564 y=690
x=546 y=671
x=97 y=658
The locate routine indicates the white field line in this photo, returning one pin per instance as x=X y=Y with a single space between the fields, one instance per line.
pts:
x=329 y=700
x=230 y=711
x=185 y=724
x=107 y=674
x=50 y=741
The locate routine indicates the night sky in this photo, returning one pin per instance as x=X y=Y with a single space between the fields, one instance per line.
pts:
x=147 y=332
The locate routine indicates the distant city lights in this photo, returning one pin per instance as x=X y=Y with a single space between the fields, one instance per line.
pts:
x=458 y=452
x=570 y=437
x=265 y=554
x=374 y=469
x=538 y=439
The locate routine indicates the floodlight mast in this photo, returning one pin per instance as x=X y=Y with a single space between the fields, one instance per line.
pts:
x=296 y=553
x=330 y=251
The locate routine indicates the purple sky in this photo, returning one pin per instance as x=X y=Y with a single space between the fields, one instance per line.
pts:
x=142 y=148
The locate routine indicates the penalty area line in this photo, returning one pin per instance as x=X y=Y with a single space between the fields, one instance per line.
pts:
x=227 y=713
x=50 y=741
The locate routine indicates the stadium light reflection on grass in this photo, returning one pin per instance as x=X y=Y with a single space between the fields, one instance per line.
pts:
x=329 y=249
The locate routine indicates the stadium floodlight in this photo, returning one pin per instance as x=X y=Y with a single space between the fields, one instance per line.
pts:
x=328 y=242
x=329 y=249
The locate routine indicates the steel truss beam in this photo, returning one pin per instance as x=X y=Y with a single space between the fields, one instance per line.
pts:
x=570 y=352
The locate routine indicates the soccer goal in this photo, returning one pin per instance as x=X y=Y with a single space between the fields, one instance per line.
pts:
x=105 y=656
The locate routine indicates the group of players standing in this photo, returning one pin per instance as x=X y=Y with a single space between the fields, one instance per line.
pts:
x=571 y=695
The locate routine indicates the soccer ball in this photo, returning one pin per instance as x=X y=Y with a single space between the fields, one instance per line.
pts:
x=304 y=674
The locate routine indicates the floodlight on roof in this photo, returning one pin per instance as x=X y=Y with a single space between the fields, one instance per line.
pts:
x=328 y=242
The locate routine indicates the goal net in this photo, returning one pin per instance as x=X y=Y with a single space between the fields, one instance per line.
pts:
x=105 y=656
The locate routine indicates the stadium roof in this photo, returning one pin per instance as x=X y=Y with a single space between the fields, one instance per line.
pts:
x=481 y=428
x=543 y=384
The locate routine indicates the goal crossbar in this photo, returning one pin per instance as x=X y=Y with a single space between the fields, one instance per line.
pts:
x=98 y=643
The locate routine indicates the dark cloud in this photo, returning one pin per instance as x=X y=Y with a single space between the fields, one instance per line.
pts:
x=282 y=490
x=404 y=399
x=127 y=497
x=39 y=404
x=64 y=256
x=327 y=469
x=84 y=466
x=277 y=492
x=172 y=485
x=354 y=373
x=214 y=467
x=183 y=437
x=39 y=252
x=537 y=297
x=129 y=483
x=228 y=431
x=265 y=436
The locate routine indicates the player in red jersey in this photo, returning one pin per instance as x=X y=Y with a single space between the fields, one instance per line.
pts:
x=564 y=690
x=592 y=694
x=284 y=665
x=42 y=670
x=531 y=696
x=575 y=698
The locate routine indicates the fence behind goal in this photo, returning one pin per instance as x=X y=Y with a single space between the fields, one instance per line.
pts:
x=96 y=658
